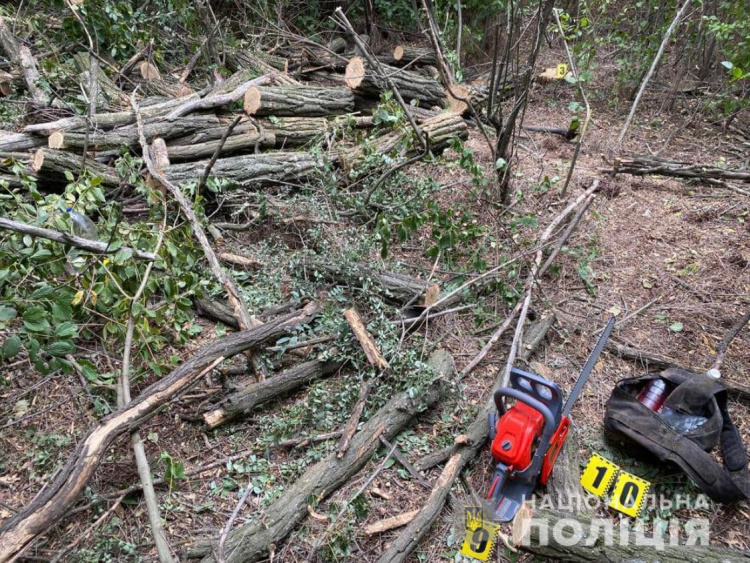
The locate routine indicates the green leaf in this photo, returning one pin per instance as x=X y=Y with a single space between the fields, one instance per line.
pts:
x=122 y=256
x=34 y=314
x=501 y=164
x=7 y=313
x=66 y=329
x=737 y=73
x=42 y=292
x=11 y=347
x=676 y=327
x=60 y=348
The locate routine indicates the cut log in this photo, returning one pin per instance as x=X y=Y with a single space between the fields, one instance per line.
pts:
x=254 y=61
x=650 y=165
x=52 y=166
x=248 y=139
x=365 y=81
x=257 y=169
x=51 y=505
x=251 y=542
x=287 y=131
x=404 y=55
x=441 y=129
x=244 y=401
x=298 y=101
x=337 y=45
x=20 y=142
x=105 y=120
x=149 y=71
x=572 y=538
x=127 y=136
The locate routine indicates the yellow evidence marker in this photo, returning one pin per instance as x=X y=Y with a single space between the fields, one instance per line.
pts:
x=562 y=70
x=629 y=494
x=479 y=540
x=598 y=475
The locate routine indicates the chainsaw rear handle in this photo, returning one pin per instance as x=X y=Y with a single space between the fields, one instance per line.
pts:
x=549 y=420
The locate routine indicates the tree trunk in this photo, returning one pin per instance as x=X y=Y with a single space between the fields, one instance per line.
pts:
x=251 y=542
x=365 y=81
x=440 y=129
x=127 y=136
x=298 y=101
x=111 y=95
x=244 y=401
x=20 y=55
x=49 y=507
x=257 y=169
x=52 y=165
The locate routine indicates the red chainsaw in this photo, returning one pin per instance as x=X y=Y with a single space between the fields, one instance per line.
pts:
x=527 y=437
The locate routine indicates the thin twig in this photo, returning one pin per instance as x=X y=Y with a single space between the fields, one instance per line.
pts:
x=217 y=152
x=566 y=235
x=230 y=522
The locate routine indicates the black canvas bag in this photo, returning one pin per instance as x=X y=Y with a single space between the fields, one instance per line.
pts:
x=692 y=394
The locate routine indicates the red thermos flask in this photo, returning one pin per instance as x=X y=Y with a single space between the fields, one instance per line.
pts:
x=654 y=394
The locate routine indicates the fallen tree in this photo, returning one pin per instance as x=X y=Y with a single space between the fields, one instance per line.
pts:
x=651 y=165
x=253 y=541
x=53 y=503
x=53 y=164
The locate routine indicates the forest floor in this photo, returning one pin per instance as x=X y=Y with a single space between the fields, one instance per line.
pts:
x=682 y=251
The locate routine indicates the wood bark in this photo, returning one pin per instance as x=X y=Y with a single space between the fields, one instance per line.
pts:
x=249 y=59
x=440 y=129
x=249 y=139
x=20 y=142
x=390 y=523
x=256 y=169
x=364 y=80
x=244 y=401
x=476 y=436
x=252 y=541
x=108 y=93
x=52 y=165
x=286 y=131
x=298 y=101
x=46 y=510
x=650 y=165
x=127 y=136
x=589 y=548
x=106 y=120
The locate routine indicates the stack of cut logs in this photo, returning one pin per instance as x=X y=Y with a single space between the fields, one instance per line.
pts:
x=290 y=100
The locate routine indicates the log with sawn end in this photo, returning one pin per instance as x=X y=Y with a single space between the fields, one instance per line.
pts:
x=127 y=136
x=52 y=165
x=298 y=101
x=365 y=81
x=245 y=400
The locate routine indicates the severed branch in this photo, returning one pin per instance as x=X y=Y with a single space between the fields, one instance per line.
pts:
x=217 y=152
x=53 y=503
x=71 y=240
x=218 y=100
x=21 y=56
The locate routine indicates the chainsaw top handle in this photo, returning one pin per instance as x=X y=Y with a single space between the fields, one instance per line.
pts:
x=549 y=419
